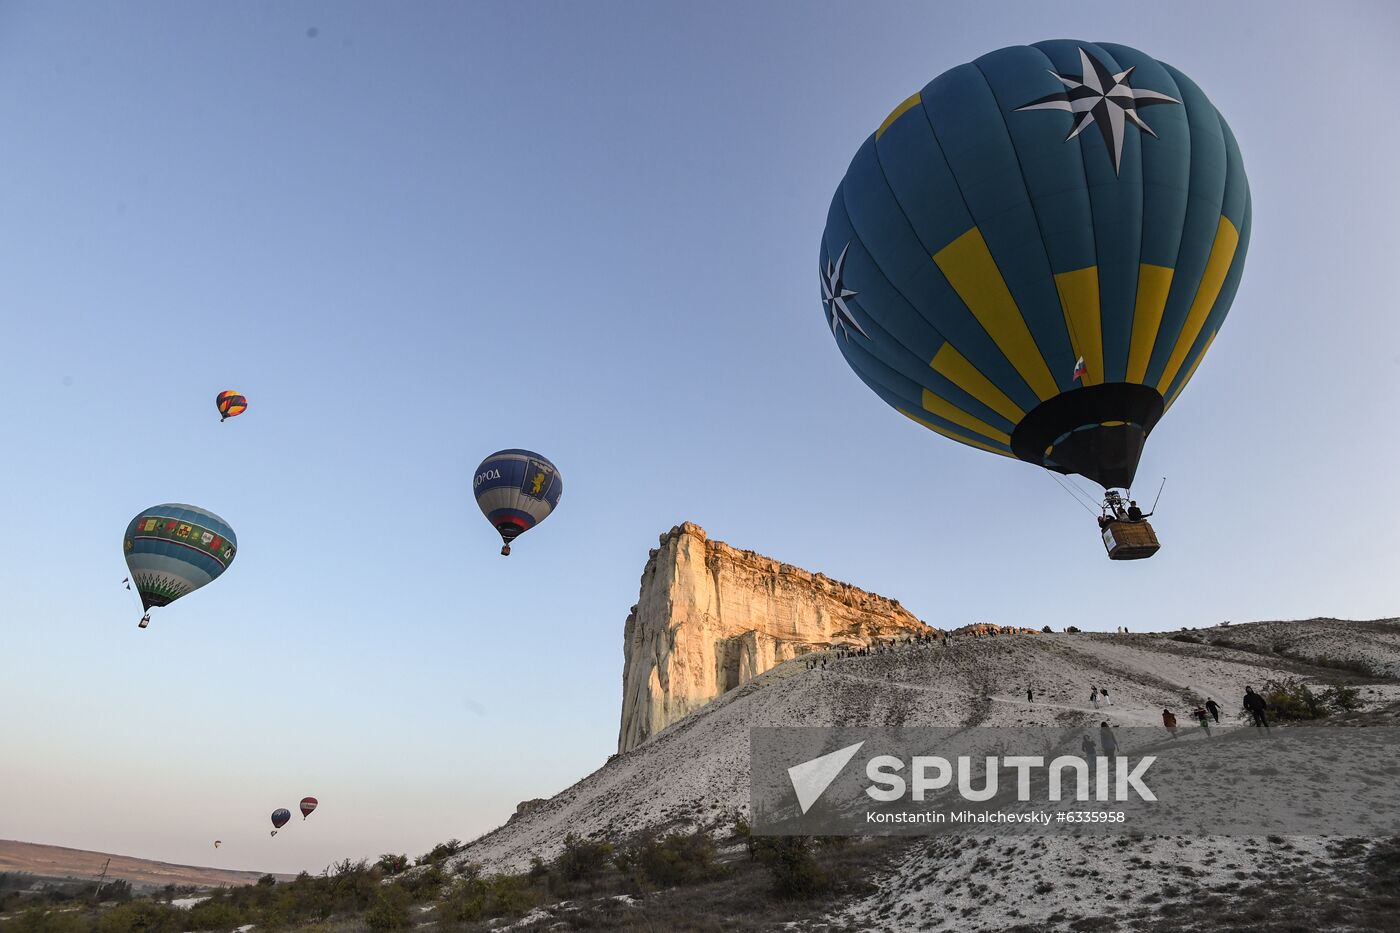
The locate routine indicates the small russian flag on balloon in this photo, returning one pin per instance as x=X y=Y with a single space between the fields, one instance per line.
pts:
x=1080 y=369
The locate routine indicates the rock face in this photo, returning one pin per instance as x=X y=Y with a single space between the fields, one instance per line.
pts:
x=992 y=630
x=711 y=617
x=525 y=806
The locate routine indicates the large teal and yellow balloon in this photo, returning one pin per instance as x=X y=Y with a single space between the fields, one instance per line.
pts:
x=174 y=549
x=1032 y=254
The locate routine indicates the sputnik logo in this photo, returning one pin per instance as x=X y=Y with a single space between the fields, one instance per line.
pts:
x=811 y=778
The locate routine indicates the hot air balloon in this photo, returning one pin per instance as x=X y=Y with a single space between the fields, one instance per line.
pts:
x=1032 y=255
x=230 y=404
x=280 y=818
x=307 y=805
x=174 y=549
x=516 y=490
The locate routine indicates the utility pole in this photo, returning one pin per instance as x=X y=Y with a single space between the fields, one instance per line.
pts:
x=100 y=882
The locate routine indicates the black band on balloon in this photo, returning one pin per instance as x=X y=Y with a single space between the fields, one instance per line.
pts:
x=1097 y=431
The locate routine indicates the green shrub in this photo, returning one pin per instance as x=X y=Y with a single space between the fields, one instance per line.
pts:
x=423 y=883
x=118 y=890
x=743 y=831
x=1342 y=697
x=48 y=920
x=475 y=898
x=392 y=864
x=441 y=852
x=390 y=910
x=582 y=859
x=1291 y=700
x=216 y=915
x=145 y=916
x=510 y=895
x=668 y=861
x=796 y=873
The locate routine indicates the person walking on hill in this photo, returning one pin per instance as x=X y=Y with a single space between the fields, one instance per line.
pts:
x=1086 y=745
x=1108 y=740
x=1214 y=709
x=1094 y=697
x=1030 y=697
x=1201 y=716
x=1103 y=696
x=1256 y=706
x=1169 y=720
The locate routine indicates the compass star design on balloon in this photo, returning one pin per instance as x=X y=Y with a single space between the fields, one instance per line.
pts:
x=835 y=294
x=1102 y=98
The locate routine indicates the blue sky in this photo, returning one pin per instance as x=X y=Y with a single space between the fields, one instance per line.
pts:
x=413 y=235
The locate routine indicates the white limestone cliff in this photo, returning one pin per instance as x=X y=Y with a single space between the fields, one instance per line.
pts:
x=711 y=617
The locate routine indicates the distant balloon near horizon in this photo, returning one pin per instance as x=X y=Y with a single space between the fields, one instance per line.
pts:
x=174 y=549
x=1032 y=254
x=230 y=404
x=279 y=819
x=516 y=490
x=308 y=804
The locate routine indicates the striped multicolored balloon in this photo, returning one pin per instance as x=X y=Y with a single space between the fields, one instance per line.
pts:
x=174 y=549
x=230 y=404
x=516 y=490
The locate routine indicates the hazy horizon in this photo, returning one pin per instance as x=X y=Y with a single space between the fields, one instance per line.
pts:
x=414 y=238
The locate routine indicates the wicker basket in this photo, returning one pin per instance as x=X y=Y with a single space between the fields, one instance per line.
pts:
x=1127 y=540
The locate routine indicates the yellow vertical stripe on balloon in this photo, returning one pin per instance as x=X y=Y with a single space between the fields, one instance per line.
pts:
x=953 y=366
x=1192 y=371
x=970 y=269
x=912 y=100
x=955 y=437
x=950 y=412
x=1079 y=300
x=1154 y=284
x=1222 y=252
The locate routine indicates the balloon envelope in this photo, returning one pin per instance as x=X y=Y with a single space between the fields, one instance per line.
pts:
x=516 y=490
x=280 y=817
x=307 y=805
x=1032 y=254
x=230 y=404
x=174 y=549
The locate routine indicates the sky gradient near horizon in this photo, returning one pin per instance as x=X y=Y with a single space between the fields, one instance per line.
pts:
x=415 y=235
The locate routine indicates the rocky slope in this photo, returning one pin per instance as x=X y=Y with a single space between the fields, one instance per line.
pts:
x=711 y=617
x=695 y=771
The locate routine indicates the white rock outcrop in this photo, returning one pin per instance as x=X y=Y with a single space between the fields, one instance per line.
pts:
x=711 y=617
